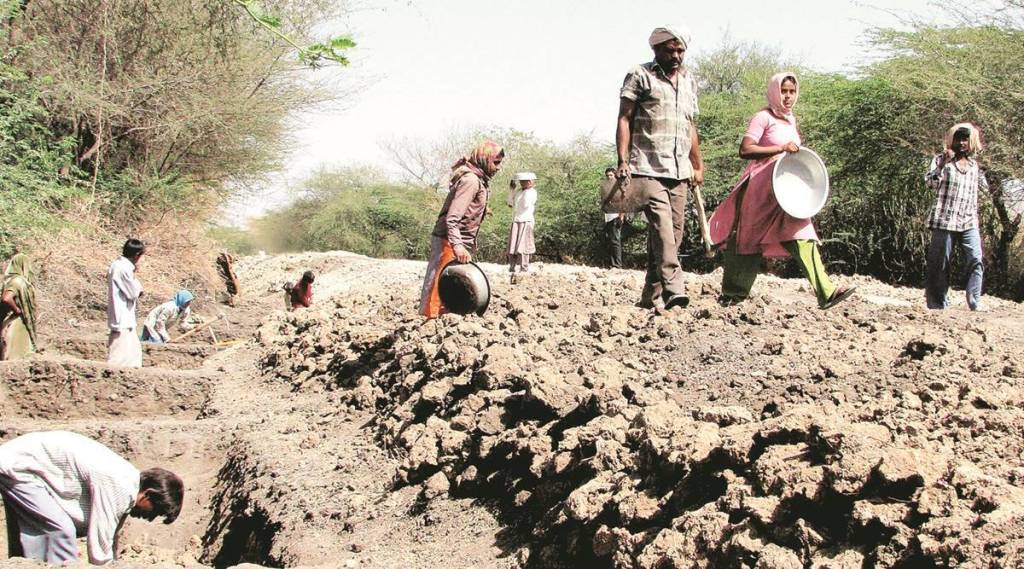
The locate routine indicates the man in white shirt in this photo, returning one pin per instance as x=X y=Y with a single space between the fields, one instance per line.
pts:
x=58 y=485
x=123 y=291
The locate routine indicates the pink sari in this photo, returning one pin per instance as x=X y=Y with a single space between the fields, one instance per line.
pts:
x=762 y=226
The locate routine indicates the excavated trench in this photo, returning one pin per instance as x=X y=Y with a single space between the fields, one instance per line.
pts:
x=239 y=530
x=167 y=356
x=70 y=388
x=160 y=415
x=601 y=437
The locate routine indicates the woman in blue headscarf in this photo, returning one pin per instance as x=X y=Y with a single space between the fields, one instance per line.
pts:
x=167 y=314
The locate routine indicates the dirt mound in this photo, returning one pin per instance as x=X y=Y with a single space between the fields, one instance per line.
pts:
x=768 y=434
x=171 y=356
x=68 y=388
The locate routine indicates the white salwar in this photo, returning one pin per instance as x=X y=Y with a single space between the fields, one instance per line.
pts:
x=123 y=292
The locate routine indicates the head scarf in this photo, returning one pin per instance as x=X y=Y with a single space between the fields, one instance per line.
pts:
x=19 y=265
x=479 y=162
x=775 y=96
x=182 y=297
x=18 y=280
x=666 y=33
x=974 y=139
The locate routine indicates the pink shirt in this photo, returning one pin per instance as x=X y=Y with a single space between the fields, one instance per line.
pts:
x=762 y=226
x=768 y=130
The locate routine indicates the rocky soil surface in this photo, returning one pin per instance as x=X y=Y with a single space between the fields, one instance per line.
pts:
x=564 y=428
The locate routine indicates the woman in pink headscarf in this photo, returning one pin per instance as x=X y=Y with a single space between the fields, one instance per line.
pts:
x=454 y=234
x=750 y=224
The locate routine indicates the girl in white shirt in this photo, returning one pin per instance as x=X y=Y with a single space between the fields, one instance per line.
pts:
x=520 y=239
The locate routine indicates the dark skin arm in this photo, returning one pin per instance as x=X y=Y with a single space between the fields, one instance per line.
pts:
x=624 y=135
x=696 y=159
x=750 y=150
x=8 y=299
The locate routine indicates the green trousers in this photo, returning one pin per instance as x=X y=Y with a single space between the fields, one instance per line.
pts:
x=741 y=270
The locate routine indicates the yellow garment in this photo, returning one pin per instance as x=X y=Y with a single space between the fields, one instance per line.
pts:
x=18 y=333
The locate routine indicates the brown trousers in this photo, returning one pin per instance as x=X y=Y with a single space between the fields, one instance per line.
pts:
x=665 y=216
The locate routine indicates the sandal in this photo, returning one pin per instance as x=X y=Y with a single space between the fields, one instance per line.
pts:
x=839 y=295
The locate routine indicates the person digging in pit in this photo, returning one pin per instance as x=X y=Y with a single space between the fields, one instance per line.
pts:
x=300 y=294
x=176 y=311
x=226 y=271
x=58 y=485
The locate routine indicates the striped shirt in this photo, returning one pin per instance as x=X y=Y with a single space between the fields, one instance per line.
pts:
x=956 y=194
x=660 y=145
x=91 y=483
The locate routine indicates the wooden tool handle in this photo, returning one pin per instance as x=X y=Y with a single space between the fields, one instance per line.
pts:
x=702 y=219
x=202 y=326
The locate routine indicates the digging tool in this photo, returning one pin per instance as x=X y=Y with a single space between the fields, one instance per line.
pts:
x=198 y=328
x=702 y=219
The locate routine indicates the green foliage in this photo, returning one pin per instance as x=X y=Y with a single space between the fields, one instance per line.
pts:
x=878 y=134
x=874 y=221
x=151 y=117
x=312 y=55
x=736 y=67
x=359 y=212
x=345 y=211
x=30 y=159
x=569 y=222
x=961 y=74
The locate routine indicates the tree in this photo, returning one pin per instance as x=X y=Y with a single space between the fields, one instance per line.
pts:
x=968 y=73
x=736 y=67
x=312 y=55
x=175 y=97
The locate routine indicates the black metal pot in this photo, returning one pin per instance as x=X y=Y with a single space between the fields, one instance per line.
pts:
x=464 y=288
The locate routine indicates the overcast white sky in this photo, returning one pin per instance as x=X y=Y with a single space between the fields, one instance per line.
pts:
x=551 y=67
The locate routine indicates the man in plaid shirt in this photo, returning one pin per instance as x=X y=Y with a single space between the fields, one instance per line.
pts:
x=656 y=139
x=956 y=178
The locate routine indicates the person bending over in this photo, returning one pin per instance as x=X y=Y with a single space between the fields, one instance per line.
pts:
x=58 y=485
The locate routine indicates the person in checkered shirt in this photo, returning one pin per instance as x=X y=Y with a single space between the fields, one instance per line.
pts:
x=956 y=178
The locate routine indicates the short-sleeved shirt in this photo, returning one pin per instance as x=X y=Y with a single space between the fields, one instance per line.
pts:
x=94 y=486
x=956 y=194
x=765 y=129
x=660 y=145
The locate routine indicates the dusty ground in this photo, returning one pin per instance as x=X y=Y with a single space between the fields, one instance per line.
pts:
x=566 y=427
